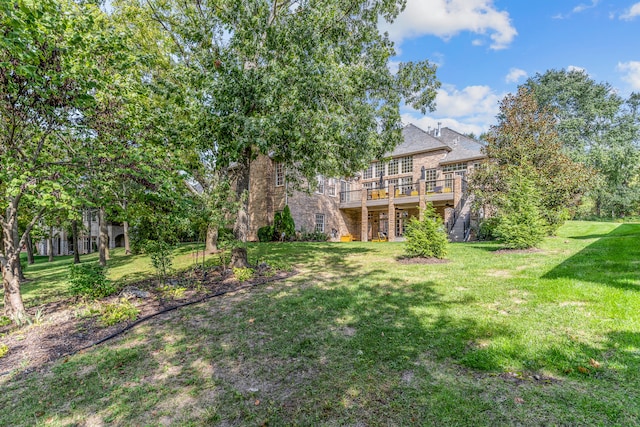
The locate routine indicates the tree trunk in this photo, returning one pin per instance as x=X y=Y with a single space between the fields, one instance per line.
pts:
x=241 y=227
x=16 y=244
x=10 y=266
x=212 y=239
x=103 y=239
x=50 y=244
x=74 y=237
x=127 y=244
x=13 y=305
x=30 y=258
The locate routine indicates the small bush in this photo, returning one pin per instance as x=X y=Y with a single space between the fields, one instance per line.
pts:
x=90 y=280
x=225 y=234
x=119 y=312
x=487 y=229
x=4 y=349
x=265 y=234
x=283 y=225
x=426 y=238
x=172 y=292
x=243 y=274
x=161 y=255
x=4 y=321
x=313 y=236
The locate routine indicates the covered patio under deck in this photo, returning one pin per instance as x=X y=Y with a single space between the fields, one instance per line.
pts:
x=382 y=214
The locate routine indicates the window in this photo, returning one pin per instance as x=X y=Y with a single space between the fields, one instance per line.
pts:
x=368 y=173
x=448 y=180
x=367 y=185
x=393 y=166
x=379 y=169
x=407 y=164
x=320 y=187
x=331 y=187
x=454 y=167
x=320 y=223
x=279 y=174
x=345 y=191
x=430 y=178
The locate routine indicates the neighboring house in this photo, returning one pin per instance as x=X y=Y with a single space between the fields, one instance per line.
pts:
x=429 y=166
x=89 y=230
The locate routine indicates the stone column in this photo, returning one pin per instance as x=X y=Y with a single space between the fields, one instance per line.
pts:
x=422 y=198
x=392 y=213
x=364 y=228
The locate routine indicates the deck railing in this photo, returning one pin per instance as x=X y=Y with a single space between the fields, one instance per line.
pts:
x=350 y=196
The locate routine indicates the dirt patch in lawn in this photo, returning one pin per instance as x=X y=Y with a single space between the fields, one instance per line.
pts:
x=67 y=326
x=517 y=251
x=422 y=260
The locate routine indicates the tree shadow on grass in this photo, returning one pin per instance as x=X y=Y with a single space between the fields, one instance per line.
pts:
x=368 y=349
x=612 y=260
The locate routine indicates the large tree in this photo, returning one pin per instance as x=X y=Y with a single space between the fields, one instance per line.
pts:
x=42 y=86
x=53 y=57
x=598 y=128
x=525 y=140
x=306 y=82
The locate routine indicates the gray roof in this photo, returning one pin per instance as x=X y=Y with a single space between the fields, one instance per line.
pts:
x=415 y=140
x=463 y=148
x=458 y=146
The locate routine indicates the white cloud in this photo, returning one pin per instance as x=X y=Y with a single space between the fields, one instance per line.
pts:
x=472 y=100
x=631 y=13
x=472 y=109
x=426 y=123
x=631 y=73
x=515 y=75
x=582 y=7
x=571 y=68
x=578 y=9
x=446 y=18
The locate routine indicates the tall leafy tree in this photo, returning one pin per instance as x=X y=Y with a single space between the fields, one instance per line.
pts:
x=53 y=54
x=598 y=128
x=42 y=85
x=526 y=139
x=305 y=82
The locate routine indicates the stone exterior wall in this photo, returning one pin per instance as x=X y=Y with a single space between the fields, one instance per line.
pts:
x=265 y=199
x=261 y=195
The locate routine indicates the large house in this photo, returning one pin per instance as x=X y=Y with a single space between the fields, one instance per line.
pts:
x=89 y=232
x=427 y=167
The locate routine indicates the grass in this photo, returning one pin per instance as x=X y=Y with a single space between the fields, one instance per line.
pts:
x=48 y=281
x=537 y=338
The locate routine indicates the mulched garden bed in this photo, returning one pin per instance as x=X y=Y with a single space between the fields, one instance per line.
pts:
x=67 y=326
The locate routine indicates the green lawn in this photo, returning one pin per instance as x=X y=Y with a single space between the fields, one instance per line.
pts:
x=538 y=338
x=47 y=281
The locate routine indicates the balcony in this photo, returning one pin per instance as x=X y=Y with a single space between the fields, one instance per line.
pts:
x=436 y=190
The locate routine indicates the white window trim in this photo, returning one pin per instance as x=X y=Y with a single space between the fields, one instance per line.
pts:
x=279 y=175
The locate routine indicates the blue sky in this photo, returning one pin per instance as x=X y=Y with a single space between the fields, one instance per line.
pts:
x=485 y=48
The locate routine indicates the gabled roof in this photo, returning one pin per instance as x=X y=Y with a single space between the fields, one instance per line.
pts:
x=462 y=147
x=415 y=140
